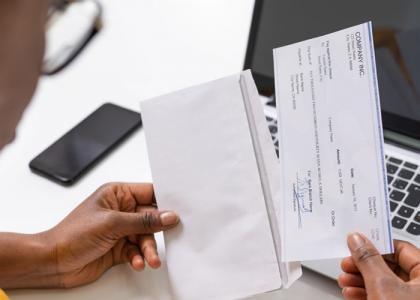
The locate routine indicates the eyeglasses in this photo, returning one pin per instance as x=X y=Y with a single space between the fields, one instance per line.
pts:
x=70 y=27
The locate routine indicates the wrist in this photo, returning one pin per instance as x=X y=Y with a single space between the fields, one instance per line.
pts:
x=27 y=261
x=43 y=248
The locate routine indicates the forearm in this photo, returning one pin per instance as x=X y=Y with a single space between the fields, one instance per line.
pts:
x=26 y=261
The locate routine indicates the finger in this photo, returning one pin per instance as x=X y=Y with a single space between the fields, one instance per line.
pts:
x=142 y=208
x=137 y=262
x=407 y=256
x=367 y=259
x=146 y=222
x=348 y=265
x=124 y=251
x=143 y=193
x=396 y=268
x=134 y=239
x=350 y=280
x=147 y=243
x=354 y=293
x=134 y=257
x=148 y=248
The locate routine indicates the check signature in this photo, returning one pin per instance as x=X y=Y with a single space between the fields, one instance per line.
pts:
x=302 y=193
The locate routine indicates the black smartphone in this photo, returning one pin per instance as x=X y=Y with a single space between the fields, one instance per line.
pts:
x=87 y=143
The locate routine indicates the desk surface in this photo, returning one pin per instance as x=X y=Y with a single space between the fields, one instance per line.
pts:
x=145 y=49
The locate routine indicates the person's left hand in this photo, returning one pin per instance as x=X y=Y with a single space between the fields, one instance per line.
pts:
x=113 y=226
x=368 y=275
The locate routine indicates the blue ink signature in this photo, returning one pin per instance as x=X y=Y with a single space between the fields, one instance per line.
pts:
x=301 y=190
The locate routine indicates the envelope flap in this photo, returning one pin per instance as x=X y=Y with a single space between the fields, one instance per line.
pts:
x=204 y=167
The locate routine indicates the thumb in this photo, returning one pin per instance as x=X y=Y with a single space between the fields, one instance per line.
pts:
x=367 y=258
x=144 y=222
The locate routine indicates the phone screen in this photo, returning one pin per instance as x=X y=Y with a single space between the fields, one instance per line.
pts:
x=74 y=153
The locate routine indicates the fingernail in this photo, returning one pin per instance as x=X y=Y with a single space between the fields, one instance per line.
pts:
x=168 y=218
x=355 y=241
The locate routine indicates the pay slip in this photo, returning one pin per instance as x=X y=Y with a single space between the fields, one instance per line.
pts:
x=331 y=145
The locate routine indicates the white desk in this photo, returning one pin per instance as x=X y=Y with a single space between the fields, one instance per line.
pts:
x=146 y=48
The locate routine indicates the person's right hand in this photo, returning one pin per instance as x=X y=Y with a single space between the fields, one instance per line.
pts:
x=368 y=275
x=112 y=226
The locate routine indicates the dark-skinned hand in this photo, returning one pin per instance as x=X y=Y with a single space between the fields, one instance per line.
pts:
x=113 y=226
x=368 y=275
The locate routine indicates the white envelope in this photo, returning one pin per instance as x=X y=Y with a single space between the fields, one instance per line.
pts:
x=213 y=161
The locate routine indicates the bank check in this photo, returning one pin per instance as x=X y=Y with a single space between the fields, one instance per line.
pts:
x=331 y=145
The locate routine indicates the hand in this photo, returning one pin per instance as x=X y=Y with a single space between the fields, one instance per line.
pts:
x=367 y=275
x=113 y=226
